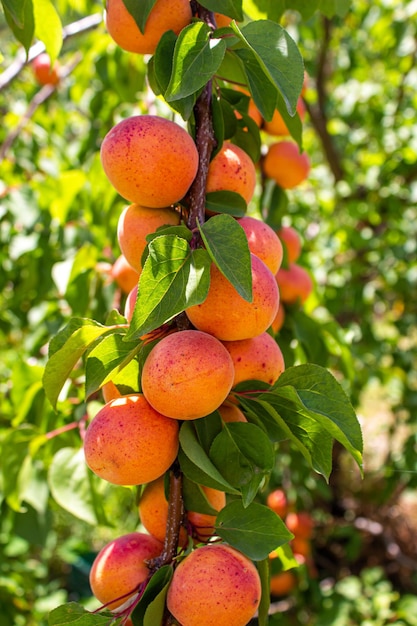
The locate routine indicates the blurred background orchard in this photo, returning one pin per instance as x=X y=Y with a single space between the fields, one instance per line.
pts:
x=357 y=217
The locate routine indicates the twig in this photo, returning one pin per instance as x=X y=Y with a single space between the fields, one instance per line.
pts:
x=75 y=28
x=41 y=96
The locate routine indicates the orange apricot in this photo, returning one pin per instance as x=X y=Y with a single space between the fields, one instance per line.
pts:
x=149 y=160
x=277 y=501
x=291 y=241
x=227 y=316
x=258 y=358
x=215 y=585
x=232 y=169
x=277 y=126
x=222 y=20
x=279 y=320
x=231 y=413
x=263 y=242
x=135 y=223
x=203 y=523
x=165 y=15
x=285 y=164
x=300 y=523
x=120 y=567
x=129 y=443
x=153 y=510
x=44 y=72
x=124 y=274
x=283 y=583
x=295 y=284
x=187 y=375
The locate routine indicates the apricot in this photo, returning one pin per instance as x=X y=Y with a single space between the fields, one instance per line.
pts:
x=124 y=274
x=277 y=126
x=135 y=223
x=203 y=523
x=232 y=169
x=263 y=242
x=227 y=316
x=120 y=567
x=291 y=241
x=149 y=160
x=215 y=585
x=258 y=358
x=285 y=164
x=231 y=413
x=277 y=501
x=44 y=72
x=130 y=443
x=300 y=523
x=279 y=320
x=165 y=15
x=153 y=510
x=187 y=375
x=222 y=20
x=283 y=583
x=295 y=284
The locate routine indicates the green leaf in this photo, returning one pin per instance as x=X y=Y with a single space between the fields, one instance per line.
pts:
x=232 y=8
x=312 y=391
x=306 y=8
x=195 y=499
x=64 y=358
x=77 y=615
x=263 y=609
x=330 y=8
x=255 y=530
x=110 y=356
x=197 y=57
x=234 y=262
x=75 y=488
x=263 y=92
x=248 y=137
x=277 y=55
x=16 y=465
x=232 y=68
x=150 y=609
x=139 y=11
x=228 y=202
x=48 y=27
x=21 y=21
x=207 y=474
x=173 y=278
x=245 y=456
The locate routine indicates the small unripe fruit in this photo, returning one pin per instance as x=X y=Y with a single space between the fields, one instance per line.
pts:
x=215 y=585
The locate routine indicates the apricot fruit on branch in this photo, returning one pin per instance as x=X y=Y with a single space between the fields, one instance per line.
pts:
x=129 y=443
x=258 y=358
x=149 y=160
x=263 y=242
x=286 y=165
x=232 y=169
x=215 y=585
x=187 y=375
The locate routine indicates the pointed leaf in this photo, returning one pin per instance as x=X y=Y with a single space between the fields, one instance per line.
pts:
x=139 y=11
x=277 y=55
x=48 y=27
x=22 y=24
x=173 y=278
x=234 y=262
x=228 y=202
x=255 y=530
x=76 y=615
x=263 y=609
x=150 y=609
x=197 y=57
x=232 y=8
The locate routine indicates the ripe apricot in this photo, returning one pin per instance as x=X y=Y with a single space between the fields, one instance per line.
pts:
x=279 y=320
x=222 y=20
x=277 y=126
x=120 y=567
x=263 y=242
x=153 y=510
x=203 y=523
x=283 y=583
x=165 y=15
x=227 y=316
x=277 y=501
x=232 y=169
x=130 y=443
x=291 y=241
x=187 y=375
x=215 y=585
x=135 y=223
x=300 y=523
x=44 y=72
x=258 y=358
x=149 y=160
x=124 y=274
x=285 y=164
x=231 y=413
x=295 y=284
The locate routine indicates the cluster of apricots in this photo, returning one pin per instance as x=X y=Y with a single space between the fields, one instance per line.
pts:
x=190 y=372
x=301 y=524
